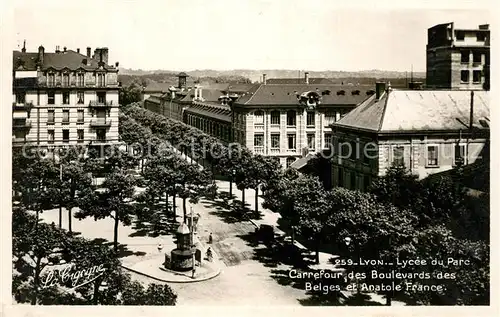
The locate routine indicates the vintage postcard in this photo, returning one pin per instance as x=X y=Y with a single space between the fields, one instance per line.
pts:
x=248 y=154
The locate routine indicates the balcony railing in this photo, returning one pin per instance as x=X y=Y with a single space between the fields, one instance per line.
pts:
x=22 y=106
x=274 y=151
x=258 y=149
x=100 y=123
x=96 y=103
x=26 y=124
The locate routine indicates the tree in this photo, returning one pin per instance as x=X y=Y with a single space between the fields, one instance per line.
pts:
x=113 y=200
x=130 y=94
x=35 y=178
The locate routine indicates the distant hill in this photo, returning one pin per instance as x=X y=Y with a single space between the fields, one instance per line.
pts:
x=255 y=75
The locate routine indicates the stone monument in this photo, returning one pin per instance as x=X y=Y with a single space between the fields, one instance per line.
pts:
x=182 y=257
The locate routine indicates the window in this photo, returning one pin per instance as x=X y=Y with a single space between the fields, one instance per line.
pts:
x=50 y=136
x=65 y=80
x=65 y=98
x=340 y=175
x=330 y=117
x=101 y=97
x=289 y=161
x=80 y=79
x=80 y=116
x=310 y=119
x=328 y=141
x=353 y=179
x=366 y=182
x=51 y=98
x=291 y=118
x=464 y=57
x=477 y=57
x=432 y=155
x=80 y=97
x=258 y=140
x=341 y=93
x=65 y=119
x=460 y=35
x=259 y=116
x=291 y=141
x=275 y=141
x=101 y=81
x=480 y=36
x=464 y=76
x=20 y=97
x=65 y=136
x=51 y=80
x=310 y=141
x=398 y=153
x=50 y=116
x=101 y=135
x=275 y=117
x=81 y=135
x=476 y=76
x=459 y=154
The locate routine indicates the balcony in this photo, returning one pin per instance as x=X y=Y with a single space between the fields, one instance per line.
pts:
x=100 y=104
x=21 y=124
x=22 y=106
x=258 y=149
x=102 y=122
x=274 y=151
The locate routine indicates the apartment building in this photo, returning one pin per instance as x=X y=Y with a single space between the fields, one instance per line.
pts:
x=458 y=58
x=427 y=131
x=64 y=98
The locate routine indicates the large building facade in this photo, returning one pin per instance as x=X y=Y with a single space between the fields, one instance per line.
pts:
x=285 y=121
x=427 y=131
x=458 y=58
x=64 y=98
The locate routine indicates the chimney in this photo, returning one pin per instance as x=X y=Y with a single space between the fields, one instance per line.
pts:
x=196 y=93
x=116 y=64
x=484 y=27
x=57 y=49
x=471 y=120
x=379 y=90
x=306 y=77
x=199 y=93
x=41 y=51
x=78 y=50
x=24 y=47
x=264 y=79
x=65 y=49
x=88 y=52
x=104 y=55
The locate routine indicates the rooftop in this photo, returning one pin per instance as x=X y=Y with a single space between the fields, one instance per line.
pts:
x=418 y=110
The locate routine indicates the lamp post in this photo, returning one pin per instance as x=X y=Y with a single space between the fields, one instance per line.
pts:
x=233 y=174
x=348 y=242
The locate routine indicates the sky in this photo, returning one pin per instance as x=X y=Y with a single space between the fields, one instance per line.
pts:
x=242 y=34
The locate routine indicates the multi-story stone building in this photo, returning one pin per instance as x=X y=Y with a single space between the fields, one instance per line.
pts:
x=427 y=131
x=458 y=58
x=64 y=98
x=286 y=121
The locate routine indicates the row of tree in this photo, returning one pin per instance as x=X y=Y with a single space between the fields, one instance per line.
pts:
x=39 y=249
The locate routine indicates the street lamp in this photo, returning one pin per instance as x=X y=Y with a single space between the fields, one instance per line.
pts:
x=233 y=174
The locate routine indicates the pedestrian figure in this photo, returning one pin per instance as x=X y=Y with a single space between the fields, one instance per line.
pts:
x=210 y=239
x=209 y=254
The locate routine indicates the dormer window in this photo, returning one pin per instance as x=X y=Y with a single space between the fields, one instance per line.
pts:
x=341 y=93
x=370 y=92
x=355 y=92
x=326 y=92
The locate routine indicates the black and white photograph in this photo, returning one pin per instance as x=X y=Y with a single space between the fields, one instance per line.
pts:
x=247 y=153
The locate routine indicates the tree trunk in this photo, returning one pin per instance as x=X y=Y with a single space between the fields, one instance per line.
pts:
x=166 y=203
x=388 y=299
x=257 y=200
x=174 y=207
x=36 y=281
x=69 y=220
x=243 y=198
x=142 y=165
x=184 y=209
x=96 y=291
x=60 y=216
x=231 y=188
x=317 y=252
x=115 y=240
x=293 y=235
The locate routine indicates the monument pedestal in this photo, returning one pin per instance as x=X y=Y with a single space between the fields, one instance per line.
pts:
x=182 y=260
